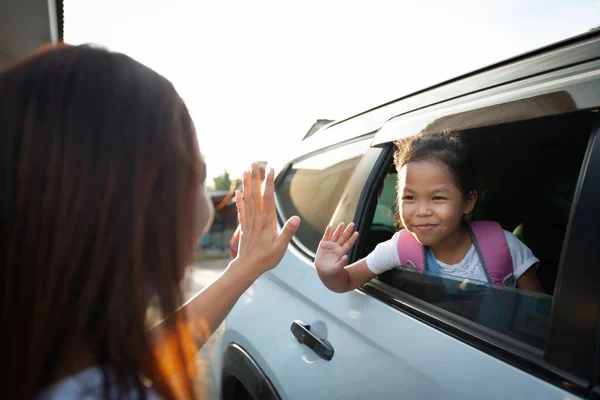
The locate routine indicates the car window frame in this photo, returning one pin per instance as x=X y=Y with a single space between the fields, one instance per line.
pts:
x=583 y=277
x=350 y=188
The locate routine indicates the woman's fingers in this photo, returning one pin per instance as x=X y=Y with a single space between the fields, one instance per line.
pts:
x=261 y=248
x=269 y=197
x=283 y=239
x=239 y=204
x=247 y=197
x=257 y=197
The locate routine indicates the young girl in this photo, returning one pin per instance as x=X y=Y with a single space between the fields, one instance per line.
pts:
x=436 y=194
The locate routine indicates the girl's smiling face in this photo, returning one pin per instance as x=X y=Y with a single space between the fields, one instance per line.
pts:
x=431 y=204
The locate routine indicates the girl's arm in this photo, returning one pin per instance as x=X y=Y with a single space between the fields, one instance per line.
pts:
x=529 y=281
x=348 y=278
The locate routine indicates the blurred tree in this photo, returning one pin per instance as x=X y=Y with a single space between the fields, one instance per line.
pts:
x=223 y=181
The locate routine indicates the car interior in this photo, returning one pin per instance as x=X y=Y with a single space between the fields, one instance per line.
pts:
x=527 y=176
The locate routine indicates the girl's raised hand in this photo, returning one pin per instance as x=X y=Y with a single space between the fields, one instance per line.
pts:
x=331 y=255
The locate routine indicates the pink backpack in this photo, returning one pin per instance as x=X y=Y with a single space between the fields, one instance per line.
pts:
x=490 y=244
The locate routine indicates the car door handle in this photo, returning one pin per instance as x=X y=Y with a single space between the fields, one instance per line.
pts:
x=302 y=333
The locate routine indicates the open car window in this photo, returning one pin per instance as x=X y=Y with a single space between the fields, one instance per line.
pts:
x=527 y=176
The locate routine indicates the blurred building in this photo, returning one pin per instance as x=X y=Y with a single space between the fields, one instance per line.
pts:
x=224 y=223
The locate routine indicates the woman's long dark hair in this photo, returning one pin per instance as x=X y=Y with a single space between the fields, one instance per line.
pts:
x=99 y=177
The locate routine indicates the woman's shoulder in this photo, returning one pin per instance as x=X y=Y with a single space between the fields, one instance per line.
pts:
x=88 y=384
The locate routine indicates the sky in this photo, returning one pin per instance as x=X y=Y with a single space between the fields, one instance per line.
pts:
x=257 y=74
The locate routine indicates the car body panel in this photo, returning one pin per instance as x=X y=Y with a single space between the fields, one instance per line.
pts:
x=381 y=353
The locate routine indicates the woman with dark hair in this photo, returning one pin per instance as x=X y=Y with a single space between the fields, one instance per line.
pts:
x=103 y=202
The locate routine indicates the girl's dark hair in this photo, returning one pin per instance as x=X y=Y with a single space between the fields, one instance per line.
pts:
x=99 y=186
x=448 y=149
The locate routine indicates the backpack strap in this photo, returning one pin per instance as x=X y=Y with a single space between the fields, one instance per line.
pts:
x=410 y=251
x=431 y=263
x=491 y=244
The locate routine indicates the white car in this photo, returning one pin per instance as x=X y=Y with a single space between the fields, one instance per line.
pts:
x=532 y=122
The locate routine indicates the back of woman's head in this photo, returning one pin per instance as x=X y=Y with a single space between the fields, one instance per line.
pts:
x=99 y=180
x=447 y=149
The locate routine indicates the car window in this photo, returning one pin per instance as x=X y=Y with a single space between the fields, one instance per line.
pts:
x=527 y=175
x=313 y=187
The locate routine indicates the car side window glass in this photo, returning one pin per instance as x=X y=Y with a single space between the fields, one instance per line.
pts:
x=385 y=212
x=313 y=187
x=520 y=315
